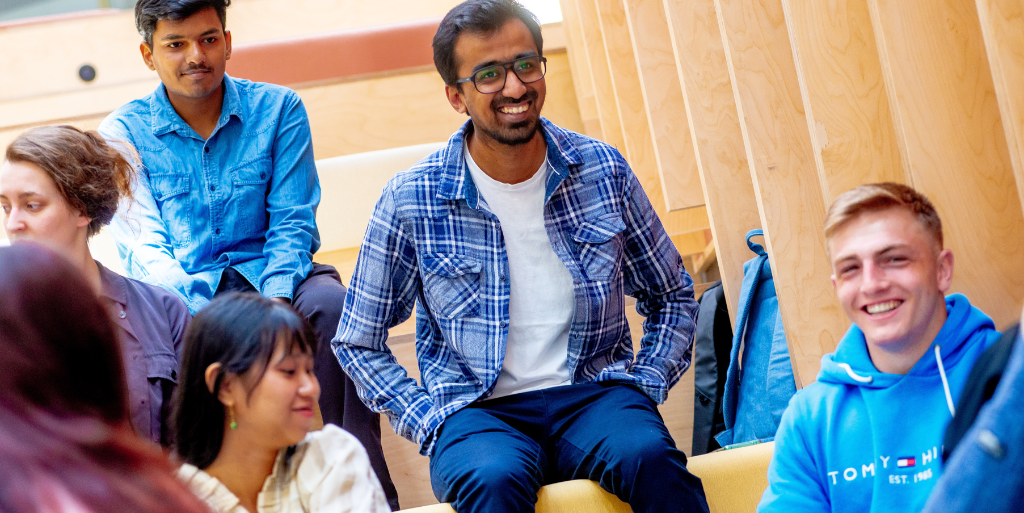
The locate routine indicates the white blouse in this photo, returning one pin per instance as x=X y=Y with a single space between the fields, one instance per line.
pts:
x=328 y=471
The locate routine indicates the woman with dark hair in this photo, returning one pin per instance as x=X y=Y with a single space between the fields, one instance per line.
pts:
x=243 y=410
x=65 y=440
x=60 y=186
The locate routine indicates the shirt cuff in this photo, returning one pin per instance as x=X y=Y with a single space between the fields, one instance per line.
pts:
x=278 y=286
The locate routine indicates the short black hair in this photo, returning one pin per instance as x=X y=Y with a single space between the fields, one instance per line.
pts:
x=148 y=12
x=239 y=330
x=481 y=16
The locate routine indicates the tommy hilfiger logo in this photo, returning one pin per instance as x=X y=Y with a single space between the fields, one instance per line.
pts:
x=908 y=463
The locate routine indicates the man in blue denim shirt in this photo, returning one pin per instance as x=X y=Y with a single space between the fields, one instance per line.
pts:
x=228 y=191
x=519 y=240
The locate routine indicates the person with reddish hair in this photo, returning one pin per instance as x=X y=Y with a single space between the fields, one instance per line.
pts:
x=59 y=186
x=66 y=443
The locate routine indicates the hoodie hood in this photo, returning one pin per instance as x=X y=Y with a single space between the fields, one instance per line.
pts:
x=851 y=364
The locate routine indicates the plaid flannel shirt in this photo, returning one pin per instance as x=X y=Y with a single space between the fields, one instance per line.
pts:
x=433 y=240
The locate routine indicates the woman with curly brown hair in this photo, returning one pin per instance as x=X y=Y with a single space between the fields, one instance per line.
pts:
x=59 y=186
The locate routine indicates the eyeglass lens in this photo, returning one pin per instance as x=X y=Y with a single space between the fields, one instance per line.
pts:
x=492 y=78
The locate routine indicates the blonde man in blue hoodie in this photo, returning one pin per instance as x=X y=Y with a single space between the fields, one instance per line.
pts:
x=867 y=435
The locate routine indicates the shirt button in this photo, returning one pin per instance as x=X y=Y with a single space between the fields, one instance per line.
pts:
x=217 y=231
x=207 y=150
x=122 y=314
x=213 y=188
x=502 y=277
x=174 y=374
x=503 y=324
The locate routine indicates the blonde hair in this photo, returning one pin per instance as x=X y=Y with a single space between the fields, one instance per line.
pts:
x=882 y=196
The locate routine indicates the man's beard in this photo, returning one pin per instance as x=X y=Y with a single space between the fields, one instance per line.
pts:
x=515 y=134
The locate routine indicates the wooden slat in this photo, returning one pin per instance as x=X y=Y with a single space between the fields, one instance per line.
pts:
x=845 y=100
x=663 y=101
x=780 y=154
x=951 y=133
x=640 y=152
x=1002 y=25
x=685 y=221
x=721 y=158
x=579 y=63
x=604 y=91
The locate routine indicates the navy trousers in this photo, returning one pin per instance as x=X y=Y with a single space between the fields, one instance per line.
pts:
x=320 y=299
x=493 y=456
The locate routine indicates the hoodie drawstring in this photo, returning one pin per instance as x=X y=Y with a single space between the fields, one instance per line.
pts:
x=945 y=383
x=853 y=375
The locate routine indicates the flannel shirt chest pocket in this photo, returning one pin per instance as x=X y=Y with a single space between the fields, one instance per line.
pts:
x=600 y=246
x=451 y=285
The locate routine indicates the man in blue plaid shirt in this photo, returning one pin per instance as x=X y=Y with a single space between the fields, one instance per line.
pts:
x=520 y=239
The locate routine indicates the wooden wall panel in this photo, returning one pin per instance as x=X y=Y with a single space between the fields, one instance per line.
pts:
x=952 y=137
x=604 y=91
x=663 y=101
x=721 y=158
x=1002 y=24
x=845 y=99
x=780 y=154
x=628 y=98
x=43 y=59
x=403 y=110
x=367 y=115
x=579 y=63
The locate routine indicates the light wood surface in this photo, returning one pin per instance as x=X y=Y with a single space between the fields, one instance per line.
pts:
x=43 y=59
x=711 y=110
x=403 y=110
x=951 y=132
x=628 y=99
x=600 y=74
x=846 y=104
x=1002 y=25
x=789 y=193
x=579 y=63
x=346 y=117
x=662 y=94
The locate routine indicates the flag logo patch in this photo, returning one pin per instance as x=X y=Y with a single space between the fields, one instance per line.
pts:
x=906 y=462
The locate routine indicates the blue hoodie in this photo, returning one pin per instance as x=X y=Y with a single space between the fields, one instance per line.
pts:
x=859 y=440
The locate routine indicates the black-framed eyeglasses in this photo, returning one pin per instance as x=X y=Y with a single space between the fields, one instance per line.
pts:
x=491 y=79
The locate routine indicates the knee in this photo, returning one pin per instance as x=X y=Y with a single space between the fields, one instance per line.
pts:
x=650 y=452
x=499 y=477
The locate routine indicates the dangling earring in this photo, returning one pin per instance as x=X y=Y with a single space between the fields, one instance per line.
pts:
x=231 y=414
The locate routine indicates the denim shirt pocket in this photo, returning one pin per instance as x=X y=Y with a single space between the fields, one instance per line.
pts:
x=250 y=195
x=172 y=192
x=600 y=248
x=451 y=285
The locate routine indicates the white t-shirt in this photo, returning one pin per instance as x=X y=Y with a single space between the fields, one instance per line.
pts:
x=541 y=301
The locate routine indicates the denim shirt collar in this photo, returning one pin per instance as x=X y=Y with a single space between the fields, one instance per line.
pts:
x=165 y=119
x=455 y=181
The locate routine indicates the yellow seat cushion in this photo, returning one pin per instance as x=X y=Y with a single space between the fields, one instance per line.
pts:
x=733 y=482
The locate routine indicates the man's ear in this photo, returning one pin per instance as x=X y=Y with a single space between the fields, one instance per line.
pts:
x=944 y=268
x=455 y=99
x=147 y=54
x=227 y=44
